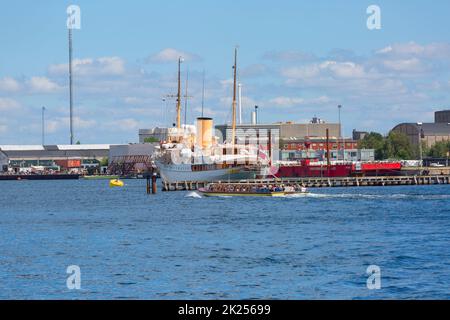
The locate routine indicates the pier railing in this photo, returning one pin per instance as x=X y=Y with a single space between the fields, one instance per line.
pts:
x=313 y=182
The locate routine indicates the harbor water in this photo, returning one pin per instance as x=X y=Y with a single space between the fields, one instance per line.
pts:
x=178 y=245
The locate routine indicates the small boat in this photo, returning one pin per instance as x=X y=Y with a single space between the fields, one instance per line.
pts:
x=295 y=190
x=208 y=193
x=116 y=183
x=245 y=190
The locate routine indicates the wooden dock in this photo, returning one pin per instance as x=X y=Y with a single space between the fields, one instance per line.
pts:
x=322 y=182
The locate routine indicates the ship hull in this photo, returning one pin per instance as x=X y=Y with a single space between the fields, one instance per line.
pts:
x=183 y=172
x=237 y=194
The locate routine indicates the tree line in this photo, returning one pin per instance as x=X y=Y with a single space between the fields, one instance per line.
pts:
x=396 y=145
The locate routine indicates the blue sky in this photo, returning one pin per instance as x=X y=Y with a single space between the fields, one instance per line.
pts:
x=297 y=59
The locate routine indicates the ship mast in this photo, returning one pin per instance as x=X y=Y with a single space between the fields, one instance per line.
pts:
x=180 y=59
x=233 y=125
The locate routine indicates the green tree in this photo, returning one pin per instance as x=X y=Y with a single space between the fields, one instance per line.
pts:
x=104 y=162
x=398 y=146
x=373 y=140
x=439 y=149
x=151 y=140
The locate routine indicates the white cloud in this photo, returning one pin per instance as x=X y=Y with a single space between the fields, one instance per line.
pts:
x=404 y=65
x=172 y=55
x=82 y=123
x=344 y=69
x=8 y=84
x=283 y=101
x=42 y=85
x=127 y=124
x=111 y=65
x=253 y=70
x=289 y=56
x=326 y=68
x=412 y=49
x=8 y=104
x=308 y=71
x=133 y=100
x=103 y=66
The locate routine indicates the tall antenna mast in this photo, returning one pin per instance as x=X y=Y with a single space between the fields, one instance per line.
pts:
x=240 y=102
x=70 y=86
x=179 y=94
x=203 y=92
x=186 y=97
x=233 y=125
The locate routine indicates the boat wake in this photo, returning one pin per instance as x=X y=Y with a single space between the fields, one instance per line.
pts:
x=364 y=196
x=193 y=194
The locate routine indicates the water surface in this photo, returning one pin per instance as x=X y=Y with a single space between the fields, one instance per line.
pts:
x=176 y=245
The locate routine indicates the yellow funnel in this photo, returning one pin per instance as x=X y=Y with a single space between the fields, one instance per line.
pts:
x=204 y=132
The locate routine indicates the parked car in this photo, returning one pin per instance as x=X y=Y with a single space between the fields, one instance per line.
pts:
x=435 y=164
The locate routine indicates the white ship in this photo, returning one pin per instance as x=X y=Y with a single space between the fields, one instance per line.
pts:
x=193 y=153
x=196 y=156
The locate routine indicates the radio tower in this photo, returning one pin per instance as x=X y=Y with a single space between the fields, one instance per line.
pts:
x=70 y=86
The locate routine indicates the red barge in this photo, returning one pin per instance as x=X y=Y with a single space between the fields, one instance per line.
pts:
x=306 y=168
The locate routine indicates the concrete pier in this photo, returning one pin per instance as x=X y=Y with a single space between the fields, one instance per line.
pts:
x=322 y=182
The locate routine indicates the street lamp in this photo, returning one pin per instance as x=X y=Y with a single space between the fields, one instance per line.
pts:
x=256 y=113
x=419 y=124
x=43 y=125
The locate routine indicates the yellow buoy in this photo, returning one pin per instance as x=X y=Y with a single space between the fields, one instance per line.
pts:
x=115 y=183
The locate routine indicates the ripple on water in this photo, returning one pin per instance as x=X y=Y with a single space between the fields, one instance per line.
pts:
x=176 y=245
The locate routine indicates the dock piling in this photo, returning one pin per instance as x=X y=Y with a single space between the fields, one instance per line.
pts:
x=154 y=186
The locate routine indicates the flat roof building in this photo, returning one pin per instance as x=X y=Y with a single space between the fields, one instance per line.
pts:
x=442 y=116
x=285 y=131
x=129 y=159
x=4 y=161
x=156 y=134
x=430 y=133
x=55 y=152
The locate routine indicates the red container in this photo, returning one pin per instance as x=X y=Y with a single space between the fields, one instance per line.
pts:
x=69 y=163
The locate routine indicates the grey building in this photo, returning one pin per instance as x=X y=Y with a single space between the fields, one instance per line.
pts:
x=46 y=155
x=55 y=152
x=285 y=131
x=442 y=116
x=258 y=133
x=301 y=130
x=430 y=133
x=4 y=161
x=358 y=135
x=130 y=159
x=158 y=134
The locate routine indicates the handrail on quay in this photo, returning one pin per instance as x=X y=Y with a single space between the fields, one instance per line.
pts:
x=320 y=182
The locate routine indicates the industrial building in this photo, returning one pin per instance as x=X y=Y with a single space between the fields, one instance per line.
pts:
x=130 y=159
x=295 y=141
x=4 y=161
x=442 y=116
x=285 y=131
x=340 y=149
x=53 y=156
x=156 y=134
x=358 y=135
x=429 y=133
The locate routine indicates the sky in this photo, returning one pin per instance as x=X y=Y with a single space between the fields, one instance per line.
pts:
x=296 y=60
